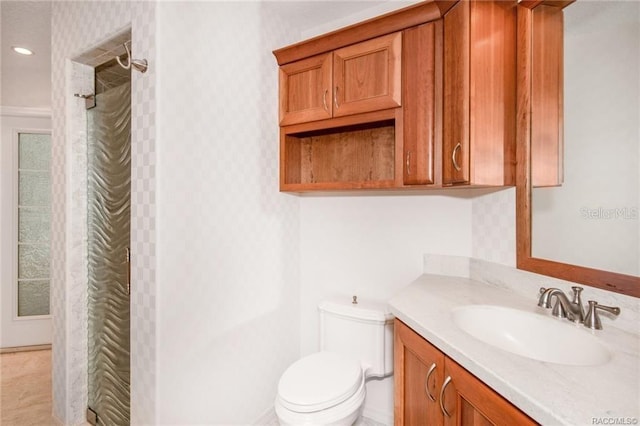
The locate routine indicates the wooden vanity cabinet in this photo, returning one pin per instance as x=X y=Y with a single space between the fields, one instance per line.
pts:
x=432 y=389
x=479 y=93
x=355 y=79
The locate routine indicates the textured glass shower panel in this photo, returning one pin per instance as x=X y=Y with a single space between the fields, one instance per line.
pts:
x=34 y=217
x=108 y=215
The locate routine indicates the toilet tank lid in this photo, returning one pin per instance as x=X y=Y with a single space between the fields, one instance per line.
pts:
x=366 y=310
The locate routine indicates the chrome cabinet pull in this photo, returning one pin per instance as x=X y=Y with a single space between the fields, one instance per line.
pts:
x=408 y=163
x=453 y=156
x=324 y=99
x=444 y=386
x=335 y=97
x=426 y=382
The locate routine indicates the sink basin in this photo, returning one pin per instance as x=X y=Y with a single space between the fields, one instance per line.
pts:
x=531 y=335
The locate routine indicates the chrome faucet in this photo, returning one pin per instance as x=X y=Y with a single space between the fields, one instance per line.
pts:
x=573 y=310
x=563 y=308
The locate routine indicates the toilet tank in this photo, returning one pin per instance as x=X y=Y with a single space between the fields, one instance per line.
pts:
x=362 y=331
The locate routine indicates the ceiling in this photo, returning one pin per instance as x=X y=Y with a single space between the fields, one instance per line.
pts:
x=26 y=80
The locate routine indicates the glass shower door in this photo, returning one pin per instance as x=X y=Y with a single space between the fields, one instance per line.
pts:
x=108 y=216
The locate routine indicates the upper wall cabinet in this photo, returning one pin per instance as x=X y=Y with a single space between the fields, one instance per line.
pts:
x=479 y=93
x=304 y=90
x=423 y=97
x=359 y=78
x=422 y=104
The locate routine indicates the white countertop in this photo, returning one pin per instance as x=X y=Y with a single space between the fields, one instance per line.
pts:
x=547 y=392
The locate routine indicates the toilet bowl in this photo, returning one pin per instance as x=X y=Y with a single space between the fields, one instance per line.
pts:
x=328 y=387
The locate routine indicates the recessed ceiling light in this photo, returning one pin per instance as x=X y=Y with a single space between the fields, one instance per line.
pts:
x=22 y=50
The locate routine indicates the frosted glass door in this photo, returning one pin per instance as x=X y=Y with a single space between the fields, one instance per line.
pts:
x=108 y=187
x=34 y=217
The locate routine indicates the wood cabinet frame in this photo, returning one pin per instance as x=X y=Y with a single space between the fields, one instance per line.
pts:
x=611 y=281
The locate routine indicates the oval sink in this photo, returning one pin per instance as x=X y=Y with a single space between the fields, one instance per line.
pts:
x=531 y=335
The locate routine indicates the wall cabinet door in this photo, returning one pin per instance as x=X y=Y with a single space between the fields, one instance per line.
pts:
x=360 y=78
x=305 y=90
x=479 y=93
x=367 y=75
x=422 y=102
x=445 y=394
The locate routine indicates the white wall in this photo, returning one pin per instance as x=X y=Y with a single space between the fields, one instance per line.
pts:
x=372 y=246
x=228 y=241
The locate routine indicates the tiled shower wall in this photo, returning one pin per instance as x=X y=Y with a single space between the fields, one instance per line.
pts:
x=77 y=27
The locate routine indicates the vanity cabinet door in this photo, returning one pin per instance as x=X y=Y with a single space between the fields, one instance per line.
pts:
x=468 y=401
x=479 y=93
x=446 y=394
x=305 y=90
x=367 y=76
x=419 y=368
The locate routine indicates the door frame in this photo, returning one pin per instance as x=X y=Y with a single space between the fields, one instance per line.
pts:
x=16 y=331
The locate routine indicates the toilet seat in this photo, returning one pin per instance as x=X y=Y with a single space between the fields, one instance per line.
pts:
x=319 y=381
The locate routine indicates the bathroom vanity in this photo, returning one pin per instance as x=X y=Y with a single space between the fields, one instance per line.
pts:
x=421 y=368
x=446 y=375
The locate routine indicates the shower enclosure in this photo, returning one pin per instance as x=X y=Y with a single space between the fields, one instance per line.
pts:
x=108 y=217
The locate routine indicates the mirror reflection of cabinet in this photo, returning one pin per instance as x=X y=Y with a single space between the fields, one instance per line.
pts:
x=583 y=230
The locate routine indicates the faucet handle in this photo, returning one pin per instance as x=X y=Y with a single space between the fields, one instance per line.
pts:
x=576 y=294
x=592 y=320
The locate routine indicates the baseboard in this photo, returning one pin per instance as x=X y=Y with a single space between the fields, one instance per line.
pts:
x=24 y=349
x=378 y=416
x=57 y=421
x=268 y=418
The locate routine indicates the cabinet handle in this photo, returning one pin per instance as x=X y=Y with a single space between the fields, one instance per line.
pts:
x=442 y=389
x=426 y=382
x=324 y=99
x=408 y=164
x=335 y=97
x=453 y=156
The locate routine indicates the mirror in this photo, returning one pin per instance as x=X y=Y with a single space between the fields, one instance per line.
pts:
x=586 y=229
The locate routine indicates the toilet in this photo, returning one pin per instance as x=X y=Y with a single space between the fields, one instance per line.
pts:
x=328 y=387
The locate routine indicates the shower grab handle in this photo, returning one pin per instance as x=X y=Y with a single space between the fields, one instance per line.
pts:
x=128 y=261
